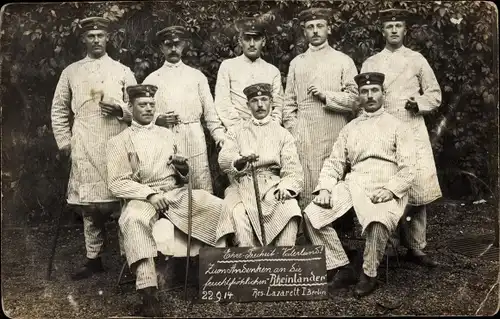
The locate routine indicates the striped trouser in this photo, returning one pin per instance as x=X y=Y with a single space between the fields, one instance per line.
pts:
x=327 y=236
x=376 y=240
x=94 y=230
x=413 y=235
x=246 y=237
x=145 y=272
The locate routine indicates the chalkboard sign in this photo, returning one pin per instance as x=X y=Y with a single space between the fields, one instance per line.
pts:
x=243 y=274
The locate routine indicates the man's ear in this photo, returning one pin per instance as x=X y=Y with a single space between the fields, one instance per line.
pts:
x=329 y=30
x=263 y=41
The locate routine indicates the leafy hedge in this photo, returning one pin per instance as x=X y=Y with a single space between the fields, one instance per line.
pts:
x=37 y=43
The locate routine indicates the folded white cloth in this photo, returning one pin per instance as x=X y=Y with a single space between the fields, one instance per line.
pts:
x=170 y=241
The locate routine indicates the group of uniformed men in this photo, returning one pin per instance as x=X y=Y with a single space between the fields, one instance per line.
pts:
x=138 y=143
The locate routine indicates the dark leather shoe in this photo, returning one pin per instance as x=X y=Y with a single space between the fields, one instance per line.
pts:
x=330 y=274
x=150 y=303
x=365 y=286
x=92 y=266
x=343 y=278
x=422 y=260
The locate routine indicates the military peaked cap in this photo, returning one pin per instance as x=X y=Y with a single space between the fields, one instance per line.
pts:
x=173 y=33
x=315 y=14
x=394 y=14
x=369 y=78
x=250 y=25
x=94 y=23
x=141 y=90
x=258 y=89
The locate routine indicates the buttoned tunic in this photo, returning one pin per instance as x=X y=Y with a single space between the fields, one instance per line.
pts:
x=80 y=88
x=315 y=125
x=378 y=148
x=408 y=74
x=278 y=167
x=233 y=77
x=137 y=168
x=185 y=91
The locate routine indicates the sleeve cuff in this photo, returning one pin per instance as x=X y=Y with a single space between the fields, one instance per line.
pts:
x=127 y=115
x=293 y=189
x=63 y=142
x=422 y=106
x=236 y=171
x=292 y=192
x=219 y=136
x=329 y=185
x=149 y=196
x=398 y=192
x=332 y=104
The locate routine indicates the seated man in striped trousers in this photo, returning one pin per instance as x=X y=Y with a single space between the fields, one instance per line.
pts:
x=271 y=149
x=378 y=147
x=144 y=169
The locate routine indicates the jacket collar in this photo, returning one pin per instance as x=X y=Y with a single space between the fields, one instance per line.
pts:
x=136 y=126
x=319 y=47
x=173 y=65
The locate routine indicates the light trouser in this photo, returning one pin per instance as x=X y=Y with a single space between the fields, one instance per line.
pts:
x=94 y=230
x=414 y=235
x=245 y=235
x=376 y=240
x=145 y=273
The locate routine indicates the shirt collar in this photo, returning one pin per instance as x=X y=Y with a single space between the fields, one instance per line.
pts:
x=136 y=126
x=319 y=47
x=263 y=121
x=173 y=65
x=400 y=49
x=377 y=113
x=102 y=58
x=247 y=60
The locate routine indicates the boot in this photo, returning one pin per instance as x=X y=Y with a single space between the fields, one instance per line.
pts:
x=365 y=286
x=150 y=306
x=343 y=278
x=92 y=266
x=420 y=258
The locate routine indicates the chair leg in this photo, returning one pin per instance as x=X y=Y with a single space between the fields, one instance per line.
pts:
x=118 y=283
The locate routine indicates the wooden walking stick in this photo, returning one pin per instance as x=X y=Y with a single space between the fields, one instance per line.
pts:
x=190 y=221
x=259 y=206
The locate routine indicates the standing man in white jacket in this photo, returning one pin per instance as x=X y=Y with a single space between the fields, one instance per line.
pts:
x=411 y=91
x=249 y=68
x=93 y=89
x=320 y=91
x=183 y=98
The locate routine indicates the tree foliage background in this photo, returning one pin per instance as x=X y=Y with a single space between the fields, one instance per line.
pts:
x=459 y=39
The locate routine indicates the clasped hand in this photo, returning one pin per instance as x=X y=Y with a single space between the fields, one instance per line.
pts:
x=282 y=194
x=317 y=93
x=323 y=199
x=381 y=195
x=180 y=162
x=244 y=159
x=411 y=105
x=168 y=119
x=159 y=202
x=110 y=109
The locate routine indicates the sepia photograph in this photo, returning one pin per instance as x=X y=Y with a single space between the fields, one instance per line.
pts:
x=249 y=158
